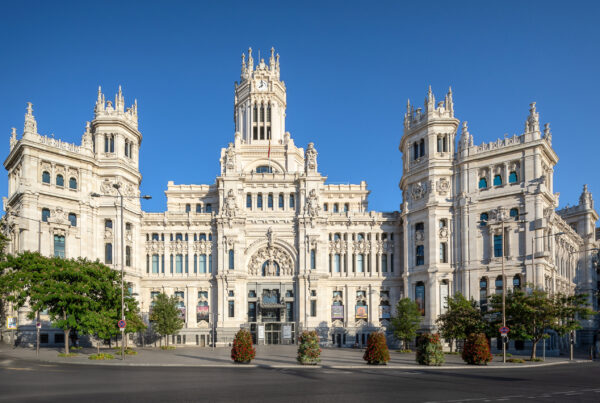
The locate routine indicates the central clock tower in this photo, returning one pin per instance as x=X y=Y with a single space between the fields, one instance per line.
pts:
x=260 y=101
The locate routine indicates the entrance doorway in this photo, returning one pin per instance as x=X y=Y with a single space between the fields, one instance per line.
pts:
x=273 y=333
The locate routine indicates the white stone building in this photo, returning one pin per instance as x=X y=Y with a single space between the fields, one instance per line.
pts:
x=273 y=247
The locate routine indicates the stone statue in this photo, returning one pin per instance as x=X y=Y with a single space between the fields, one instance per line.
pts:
x=310 y=161
x=230 y=157
x=230 y=205
x=312 y=207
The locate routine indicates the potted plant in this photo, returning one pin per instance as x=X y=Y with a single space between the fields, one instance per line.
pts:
x=377 y=352
x=476 y=350
x=242 y=350
x=309 y=351
x=429 y=350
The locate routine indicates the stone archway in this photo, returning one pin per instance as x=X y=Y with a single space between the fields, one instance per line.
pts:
x=275 y=260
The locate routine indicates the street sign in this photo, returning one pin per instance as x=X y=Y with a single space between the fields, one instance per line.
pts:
x=11 y=323
x=121 y=324
x=504 y=330
x=38 y=325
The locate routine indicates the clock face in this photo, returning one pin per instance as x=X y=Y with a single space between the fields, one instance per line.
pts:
x=262 y=85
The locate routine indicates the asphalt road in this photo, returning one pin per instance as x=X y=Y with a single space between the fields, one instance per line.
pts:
x=28 y=381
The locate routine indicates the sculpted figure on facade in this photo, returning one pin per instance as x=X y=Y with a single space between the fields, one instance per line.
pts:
x=230 y=204
x=418 y=190
x=311 y=158
x=230 y=157
x=312 y=207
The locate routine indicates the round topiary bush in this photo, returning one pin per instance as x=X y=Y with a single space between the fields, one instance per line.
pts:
x=429 y=350
x=476 y=350
x=242 y=350
x=309 y=351
x=377 y=352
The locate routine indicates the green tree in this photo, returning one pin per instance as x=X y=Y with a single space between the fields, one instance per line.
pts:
x=407 y=320
x=133 y=317
x=529 y=315
x=462 y=318
x=165 y=315
x=68 y=289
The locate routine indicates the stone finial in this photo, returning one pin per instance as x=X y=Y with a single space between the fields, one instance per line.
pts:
x=272 y=59
x=310 y=161
x=466 y=140
x=532 y=124
x=250 y=60
x=586 y=198
x=30 y=126
x=548 y=133
x=450 y=102
x=13 y=138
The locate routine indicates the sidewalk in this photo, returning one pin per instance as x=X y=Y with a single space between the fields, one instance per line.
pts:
x=266 y=356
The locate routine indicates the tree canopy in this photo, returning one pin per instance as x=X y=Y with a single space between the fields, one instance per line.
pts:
x=407 y=320
x=165 y=315
x=462 y=318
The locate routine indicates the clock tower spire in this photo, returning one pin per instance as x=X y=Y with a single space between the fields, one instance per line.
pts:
x=260 y=101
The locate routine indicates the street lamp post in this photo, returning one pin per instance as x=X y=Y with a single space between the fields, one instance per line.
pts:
x=117 y=186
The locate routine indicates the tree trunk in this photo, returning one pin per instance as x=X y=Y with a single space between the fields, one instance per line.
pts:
x=67 y=331
x=533 y=349
x=98 y=346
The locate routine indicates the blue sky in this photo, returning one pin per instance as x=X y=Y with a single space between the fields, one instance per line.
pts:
x=349 y=68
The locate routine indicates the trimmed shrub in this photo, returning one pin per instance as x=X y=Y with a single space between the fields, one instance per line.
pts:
x=309 y=351
x=377 y=352
x=242 y=350
x=101 y=356
x=68 y=355
x=429 y=350
x=516 y=360
x=167 y=347
x=476 y=350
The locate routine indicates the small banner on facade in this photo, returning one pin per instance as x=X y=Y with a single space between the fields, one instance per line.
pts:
x=385 y=312
x=11 y=322
x=182 y=312
x=337 y=312
x=361 y=312
x=202 y=313
x=261 y=332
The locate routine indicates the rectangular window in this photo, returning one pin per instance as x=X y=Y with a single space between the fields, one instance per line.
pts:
x=188 y=208
x=202 y=264
x=392 y=262
x=187 y=263
x=281 y=201
x=128 y=256
x=171 y=264
x=251 y=311
x=259 y=200
x=59 y=246
x=292 y=201
x=336 y=263
x=45 y=214
x=179 y=263
x=313 y=308
x=498 y=246
x=420 y=297
x=198 y=208
x=270 y=200
x=147 y=263
x=443 y=252
x=420 y=255
x=210 y=263
x=313 y=259
x=248 y=200
x=231 y=260
x=384 y=267
x=108 y=253
x=208 y=208
x=231 y=310
x=360 y=261
x=289 y=311
x=162 y=264
x=155 y=264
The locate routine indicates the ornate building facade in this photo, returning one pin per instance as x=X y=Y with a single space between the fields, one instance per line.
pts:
x=273 y=247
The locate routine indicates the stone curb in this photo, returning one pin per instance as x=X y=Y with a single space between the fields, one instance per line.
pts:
x=419 y=368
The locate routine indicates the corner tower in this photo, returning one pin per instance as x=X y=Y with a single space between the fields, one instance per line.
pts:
x=427 y=148
x=260 y=101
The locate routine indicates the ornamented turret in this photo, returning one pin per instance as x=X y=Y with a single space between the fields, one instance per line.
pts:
x=466 y=139
x=30 y=127
x=105 y=109
x=13 y=138
x=86 y=138
x=532 y=124
x=444 y=109
x=548 y=133
x=586 y=198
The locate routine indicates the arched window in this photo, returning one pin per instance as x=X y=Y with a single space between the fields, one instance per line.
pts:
x=72 y=183
x=112 y=143
x=336 y=237
x=208 y=208
x=498 y=247
x=420 y=296
x=106 y=143
x=281 y=200
x=483 y=294
x=420 y=255
x=384 y=261
x=360 y=262
x=45 y=177
x=269 y=113
x=346 y=207
x=419 y=226
x=188 y=208
x=270 y=268
x=483 y=219
x=325 y=207
x=262 y=112
x=126 y=148
x=313 y=259
x=292 y=201
x=512 y=177
x=155 y=236
x=179 y=263
x=336 y=208
x=443 y=252
x=439 y=144
x=108 y=253
x=231 y=259
x=60 y=180
x=270 y=200
x=45 y=214
x=443 y=223
x=264 y=169
x=108 y=223
x=249 y=201
x=514 y=213
x=497 y=180
x=259 y=200
x=415 y=151
x=422 y=148
x=483 y=183
x=73 y=219
x=517 y=282
x=360 y=237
